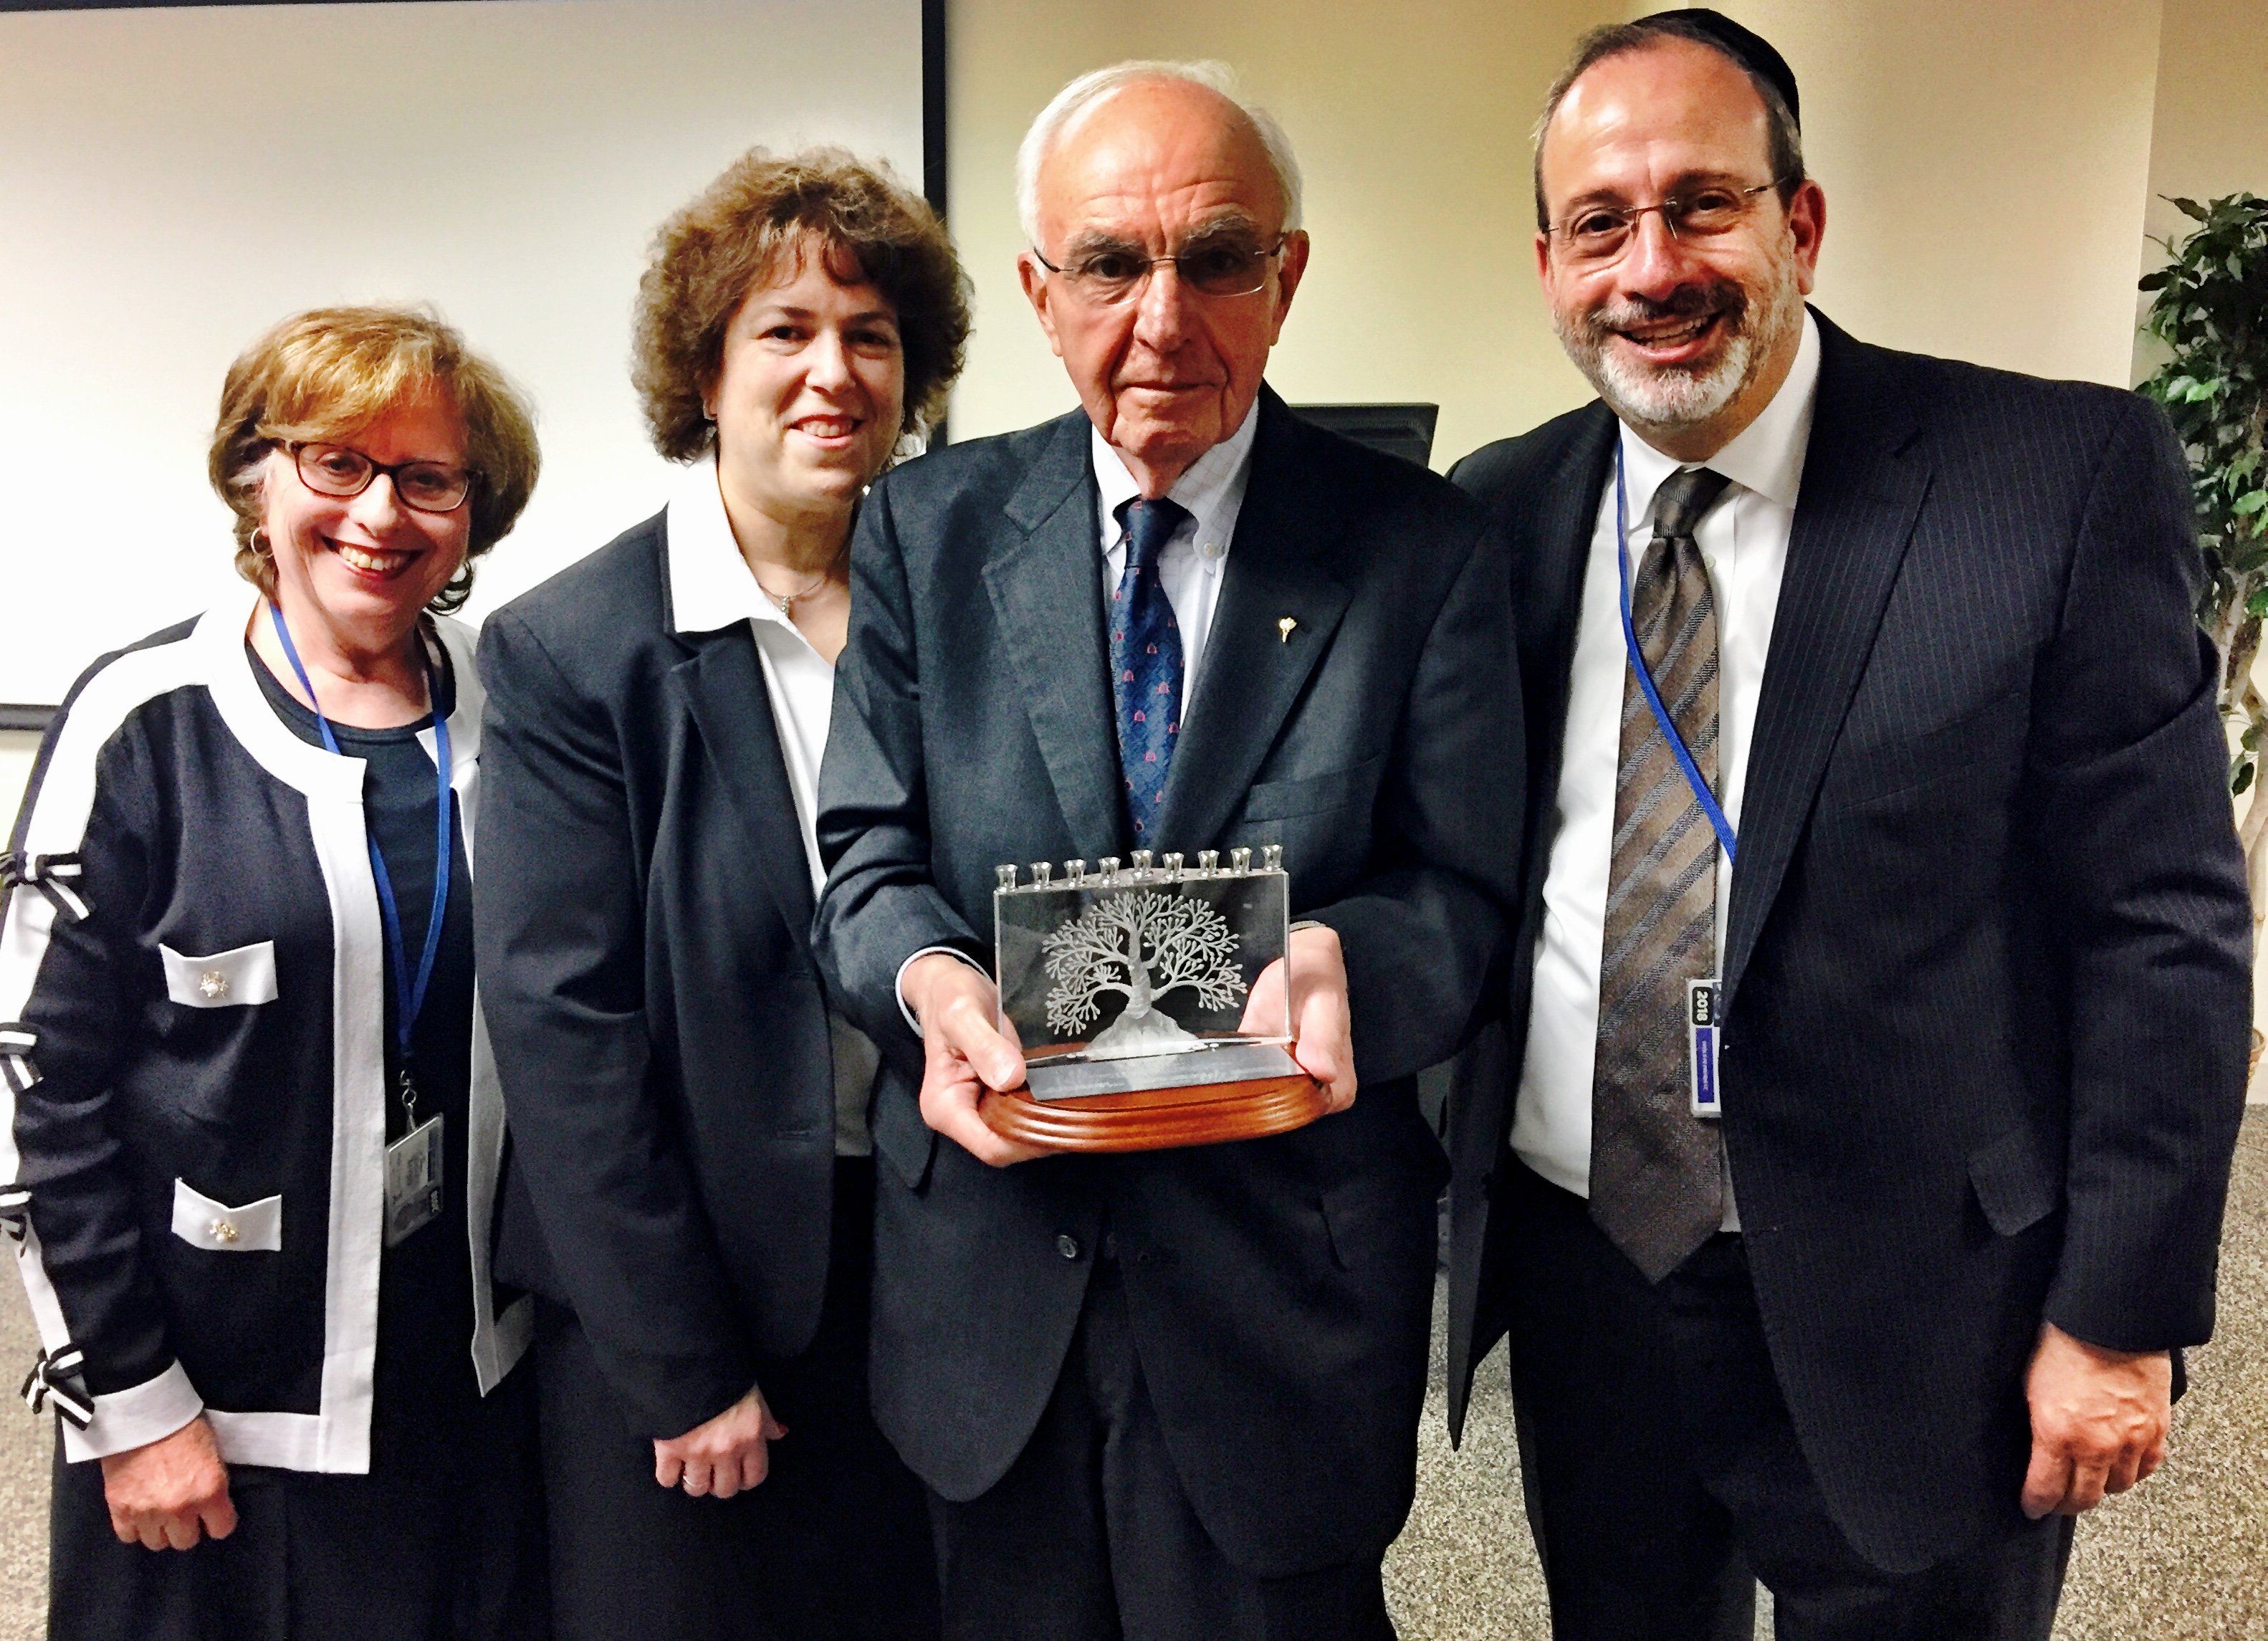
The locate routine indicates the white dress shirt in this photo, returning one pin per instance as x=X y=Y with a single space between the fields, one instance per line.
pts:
x=711 y=586
x=1188 y=569
x=1743 y=540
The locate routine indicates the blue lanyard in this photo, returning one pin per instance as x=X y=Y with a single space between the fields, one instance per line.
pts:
x=1701 y=792
x=409 y=992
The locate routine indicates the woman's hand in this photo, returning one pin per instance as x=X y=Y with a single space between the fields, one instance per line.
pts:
x=164 y=1494
x=720 y=1456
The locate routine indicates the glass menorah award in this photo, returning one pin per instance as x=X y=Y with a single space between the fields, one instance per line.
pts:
x=1131 y=989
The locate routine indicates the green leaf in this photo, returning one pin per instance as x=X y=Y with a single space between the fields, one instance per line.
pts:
x=2188 y=208
x=2158 y=281
x=2251 y=502
x=2242 y=780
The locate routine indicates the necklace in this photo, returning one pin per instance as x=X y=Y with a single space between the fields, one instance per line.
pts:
x=786 y=600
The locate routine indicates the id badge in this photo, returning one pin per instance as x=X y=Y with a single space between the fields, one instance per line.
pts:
x=413 y=1181
x=1702 y=998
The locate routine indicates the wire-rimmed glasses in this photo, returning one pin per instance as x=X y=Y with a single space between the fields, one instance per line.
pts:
x=1111 y=273
x=1595 y=235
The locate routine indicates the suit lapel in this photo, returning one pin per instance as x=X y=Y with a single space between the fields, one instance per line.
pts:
x=1863 y=484
x=1045 y=588
x=1252 y=672
x=1548 y=593
x=723 y=686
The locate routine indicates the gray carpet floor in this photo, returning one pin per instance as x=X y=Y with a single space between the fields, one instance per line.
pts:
x=2184 y=1557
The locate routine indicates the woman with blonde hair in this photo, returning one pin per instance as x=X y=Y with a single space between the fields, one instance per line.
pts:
x=692 y=1194
x=253 y=1152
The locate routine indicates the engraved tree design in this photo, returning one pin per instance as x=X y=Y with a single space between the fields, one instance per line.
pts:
x=1141 y=947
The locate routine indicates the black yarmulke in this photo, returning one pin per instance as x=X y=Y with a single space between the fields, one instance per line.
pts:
x=1751 y=50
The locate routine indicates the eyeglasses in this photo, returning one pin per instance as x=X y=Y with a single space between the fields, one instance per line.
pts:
x=1598 y=234
x=1114 y=273
x=425 y=486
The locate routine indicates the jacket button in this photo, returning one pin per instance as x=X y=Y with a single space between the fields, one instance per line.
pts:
x=1067 y=1245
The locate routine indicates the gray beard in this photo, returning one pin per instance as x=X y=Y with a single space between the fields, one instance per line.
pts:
x=1673 y=398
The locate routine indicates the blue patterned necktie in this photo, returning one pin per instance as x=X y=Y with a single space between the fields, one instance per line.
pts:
x=1146 y=659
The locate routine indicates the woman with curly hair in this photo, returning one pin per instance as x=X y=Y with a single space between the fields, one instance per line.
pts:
x=253 y=1141
x=692 y=1192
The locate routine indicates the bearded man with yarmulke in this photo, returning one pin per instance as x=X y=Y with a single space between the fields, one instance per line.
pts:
x=1852 y=1171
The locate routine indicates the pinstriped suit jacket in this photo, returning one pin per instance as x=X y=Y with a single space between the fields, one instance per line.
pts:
x=1987 y=969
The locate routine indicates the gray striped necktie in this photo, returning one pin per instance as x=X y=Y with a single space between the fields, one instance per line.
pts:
x=1657 y=1171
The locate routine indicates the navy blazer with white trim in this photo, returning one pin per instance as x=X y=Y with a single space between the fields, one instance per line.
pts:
x=207 y=830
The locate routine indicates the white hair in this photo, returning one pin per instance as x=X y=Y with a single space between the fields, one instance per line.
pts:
x=1089 y=89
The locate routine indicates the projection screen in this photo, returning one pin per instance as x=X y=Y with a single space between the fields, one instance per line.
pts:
x=173 y=180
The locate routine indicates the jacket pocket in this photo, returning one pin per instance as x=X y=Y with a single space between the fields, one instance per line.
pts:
x=906 y=1143
x=1972 y=748
x=201 y=1222
x=2014 y=1186
x=1281 y=800
x=225 y=980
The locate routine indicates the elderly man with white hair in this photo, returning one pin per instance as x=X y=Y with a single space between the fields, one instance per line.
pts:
x=1172 y=1393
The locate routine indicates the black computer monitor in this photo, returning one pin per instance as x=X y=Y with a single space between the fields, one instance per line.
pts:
x=1403 y=430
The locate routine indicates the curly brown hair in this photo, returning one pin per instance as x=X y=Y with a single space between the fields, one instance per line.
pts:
x=329 y=373
x=740 y=233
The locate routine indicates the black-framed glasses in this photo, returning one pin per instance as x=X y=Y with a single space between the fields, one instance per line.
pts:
x=1219 y=268
x=342 y=471
x=1597 y=234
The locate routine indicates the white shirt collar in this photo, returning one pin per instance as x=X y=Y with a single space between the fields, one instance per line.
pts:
x=710 y=585
x=1214 y=484
x=1766 y=457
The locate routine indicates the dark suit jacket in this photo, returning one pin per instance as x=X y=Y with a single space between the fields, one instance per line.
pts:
x=1987 y=974
x=1280 y=1289
x=643 y=915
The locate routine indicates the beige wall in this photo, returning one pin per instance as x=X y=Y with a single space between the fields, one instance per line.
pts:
x=2209 y=136
x=1986 y=169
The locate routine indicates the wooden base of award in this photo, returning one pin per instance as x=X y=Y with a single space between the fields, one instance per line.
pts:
x=1156 y=1119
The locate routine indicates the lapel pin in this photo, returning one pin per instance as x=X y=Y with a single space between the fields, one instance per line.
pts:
x=1284 y=629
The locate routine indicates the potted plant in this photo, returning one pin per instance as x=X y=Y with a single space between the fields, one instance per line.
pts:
x=2210 y=312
